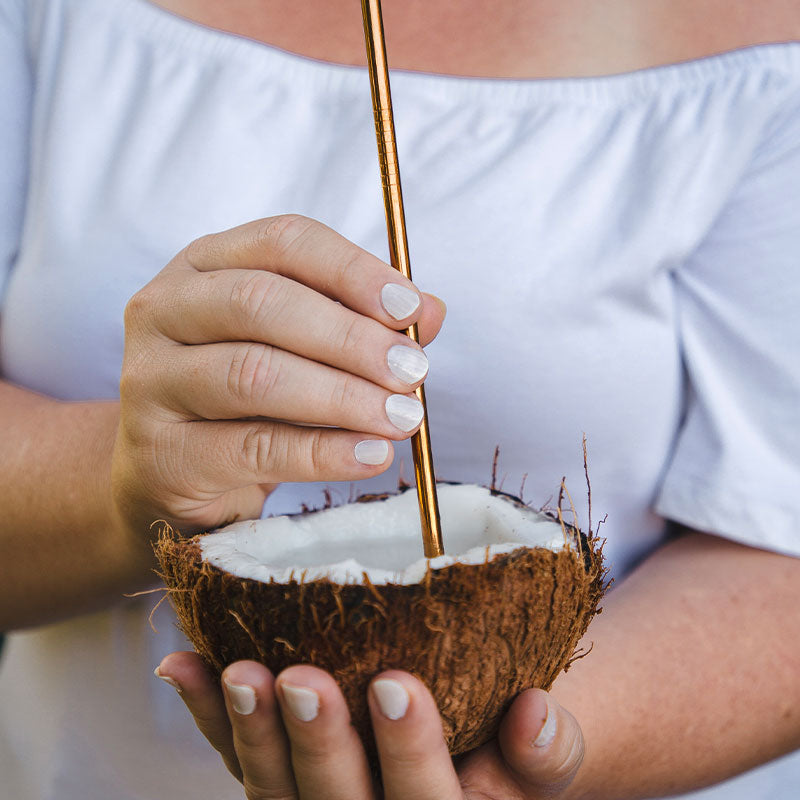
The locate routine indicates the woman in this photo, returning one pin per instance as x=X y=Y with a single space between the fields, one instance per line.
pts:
x=617 y=256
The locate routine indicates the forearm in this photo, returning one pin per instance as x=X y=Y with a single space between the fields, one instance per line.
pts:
x=693 y=676
x=61 y=553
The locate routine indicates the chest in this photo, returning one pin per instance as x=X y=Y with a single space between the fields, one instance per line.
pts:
x=513 y=38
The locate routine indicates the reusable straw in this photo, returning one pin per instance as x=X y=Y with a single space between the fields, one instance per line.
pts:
x=398 y=250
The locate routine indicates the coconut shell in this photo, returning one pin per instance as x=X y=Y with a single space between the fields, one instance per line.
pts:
x=476 y=635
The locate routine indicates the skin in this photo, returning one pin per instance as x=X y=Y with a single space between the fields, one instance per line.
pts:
x=515 y=38
x=705 y=633
x=192 y=384
x=692 y=678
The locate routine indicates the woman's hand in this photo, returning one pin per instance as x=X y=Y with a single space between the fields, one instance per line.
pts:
x=291 y=738
x=270 y=352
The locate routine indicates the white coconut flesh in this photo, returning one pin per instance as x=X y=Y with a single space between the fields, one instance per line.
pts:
x=382 y=539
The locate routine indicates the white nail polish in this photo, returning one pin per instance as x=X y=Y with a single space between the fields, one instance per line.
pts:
x=399 y=301
x=406 y=363
x=548 y=731
x=404 y=412
x=171 y=681
x=371 y=452
x=392 y=698
x=303 y=703
x=243 y=698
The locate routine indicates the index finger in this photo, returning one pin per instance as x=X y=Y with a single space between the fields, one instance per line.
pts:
x=311 y=253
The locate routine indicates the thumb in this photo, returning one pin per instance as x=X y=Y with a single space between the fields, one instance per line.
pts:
x=541 y=742
x=431 y=318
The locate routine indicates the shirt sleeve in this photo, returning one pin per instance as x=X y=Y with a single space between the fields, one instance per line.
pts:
x=735 y=469
x=15 y=106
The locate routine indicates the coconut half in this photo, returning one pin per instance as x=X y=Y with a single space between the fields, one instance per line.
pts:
x=347 y=589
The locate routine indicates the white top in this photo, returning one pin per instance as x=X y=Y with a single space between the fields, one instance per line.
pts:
x=619 y=257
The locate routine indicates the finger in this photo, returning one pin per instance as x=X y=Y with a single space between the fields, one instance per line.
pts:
x=255 y=306
x=311 y=253
x=541 y=742
x=327 y=755
x=240 y=380
x=187 y=673
x=415 y=761
x=230 y=455
x=258 y=735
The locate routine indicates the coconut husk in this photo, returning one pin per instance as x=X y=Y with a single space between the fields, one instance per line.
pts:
x=476 y=635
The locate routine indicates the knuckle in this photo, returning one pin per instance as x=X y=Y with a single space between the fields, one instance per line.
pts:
x=250 y=747
x=204 y=249
x=139 y=308
x=130 y=382
x=213 y=726
x=351 y=335
x=311 y=757
x=352 y=259
x=471 y=793
x=283 y=233
x=139 y=389
x=167 y=450
x=411 y=760
x=256 y=295
x=322 y=750
x=317 y=452
x=279 y=450
x=342 y=267
x=313 y=754
x=345 y=394
x=257 y=790
x=260 y=451
x=134 y=446
x=253 y=372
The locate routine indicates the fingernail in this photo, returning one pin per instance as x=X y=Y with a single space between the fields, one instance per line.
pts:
x=303 y=703
x=548 y=731
x=371 y=452
x=243 y=698
x=171 y=681
x=392 y=698
x=406 y=363
x=399 y=301
x=404 y=412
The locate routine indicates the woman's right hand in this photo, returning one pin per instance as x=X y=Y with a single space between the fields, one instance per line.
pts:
x=266 y=353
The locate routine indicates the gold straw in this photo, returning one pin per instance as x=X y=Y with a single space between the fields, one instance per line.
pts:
x=398 y=249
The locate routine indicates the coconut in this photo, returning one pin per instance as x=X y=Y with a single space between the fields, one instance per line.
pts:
x=347 y=589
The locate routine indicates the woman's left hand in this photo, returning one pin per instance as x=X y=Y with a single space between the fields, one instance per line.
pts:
x=290 y=738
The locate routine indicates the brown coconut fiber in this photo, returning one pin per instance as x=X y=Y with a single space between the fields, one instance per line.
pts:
x=476 y=635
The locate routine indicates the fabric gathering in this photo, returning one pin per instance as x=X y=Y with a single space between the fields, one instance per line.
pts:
x=618 y=255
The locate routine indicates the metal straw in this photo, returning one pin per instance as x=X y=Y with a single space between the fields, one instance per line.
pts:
x=398 y=250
